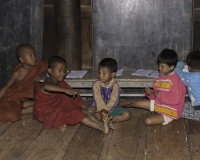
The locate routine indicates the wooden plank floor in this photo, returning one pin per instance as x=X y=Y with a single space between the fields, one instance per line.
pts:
x=132 y=140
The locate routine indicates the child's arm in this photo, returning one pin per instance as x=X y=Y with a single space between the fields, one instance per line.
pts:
x=183 y=75
x=150 y=94
x=174 y=95
x=38 y=78
x=54 y=88
x=11 y=80
x=169 y=98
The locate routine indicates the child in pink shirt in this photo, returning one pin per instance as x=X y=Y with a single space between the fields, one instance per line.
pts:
x=168 y=93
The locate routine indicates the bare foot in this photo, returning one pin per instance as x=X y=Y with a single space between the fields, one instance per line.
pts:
x=106 y=120
x=111 y=125
x=63 y=128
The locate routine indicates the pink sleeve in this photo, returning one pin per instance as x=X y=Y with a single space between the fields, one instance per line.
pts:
x=151 y=96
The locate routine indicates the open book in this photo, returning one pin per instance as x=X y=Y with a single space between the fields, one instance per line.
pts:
x=147 y=73
x=76 y=74
x=119 y=72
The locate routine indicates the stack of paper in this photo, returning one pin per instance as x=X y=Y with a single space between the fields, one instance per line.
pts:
x=76 y=74
x=147 y=73
x=119 y=72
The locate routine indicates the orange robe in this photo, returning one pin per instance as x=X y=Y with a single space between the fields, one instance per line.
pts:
x=56 y=109
x=11 y=104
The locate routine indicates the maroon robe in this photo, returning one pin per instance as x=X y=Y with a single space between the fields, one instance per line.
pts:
x=11 y=104
x=56 y=109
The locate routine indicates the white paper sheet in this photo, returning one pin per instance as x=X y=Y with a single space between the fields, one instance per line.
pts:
x=147 y=73
x=154 y=74
x=119 y=72
x=76 y=74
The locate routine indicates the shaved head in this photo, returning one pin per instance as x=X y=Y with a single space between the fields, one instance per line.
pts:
x=54 y=60
x=21 y=48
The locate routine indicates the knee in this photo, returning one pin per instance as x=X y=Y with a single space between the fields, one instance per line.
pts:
x=148 y=121
x=127 y=115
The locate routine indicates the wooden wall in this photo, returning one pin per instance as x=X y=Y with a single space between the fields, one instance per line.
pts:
x=86 y=23
x=196 y=25
x=49 y=34
x=21 y=23
x=135 y=32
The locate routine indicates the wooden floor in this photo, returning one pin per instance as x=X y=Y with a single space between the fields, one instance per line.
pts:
x=27 y=140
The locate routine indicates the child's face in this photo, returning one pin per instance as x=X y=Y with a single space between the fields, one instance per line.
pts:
x=165 y=69
x=58 y=73
x=28 y=57
x=105 y=75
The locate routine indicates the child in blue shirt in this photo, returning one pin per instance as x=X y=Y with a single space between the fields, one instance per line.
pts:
x=190 y=75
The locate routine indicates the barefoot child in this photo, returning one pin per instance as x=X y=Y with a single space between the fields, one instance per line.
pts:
x=16 y=94
x=191 y=80
x=168 y=93
x=56 y=104
x=106 y=93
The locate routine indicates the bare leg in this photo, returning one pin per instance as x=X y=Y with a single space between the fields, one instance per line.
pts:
x=89 y=115
x=123 y=117
x=154 y=119
x=28 y=103
x=145 y=104
x=84 y=107
x=102 y=126
x=28 y=107
x=127 y=103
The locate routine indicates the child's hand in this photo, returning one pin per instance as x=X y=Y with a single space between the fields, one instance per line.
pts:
x=71 y=92
x=147 y=91
x=99 y=116
x=37 y=79
x=91 y=110
x=156 y=92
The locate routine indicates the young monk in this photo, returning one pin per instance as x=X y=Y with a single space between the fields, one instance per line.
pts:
x=56 y=104
x=16 y=96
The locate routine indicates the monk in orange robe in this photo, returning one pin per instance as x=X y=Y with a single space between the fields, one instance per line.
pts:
x=16 y=97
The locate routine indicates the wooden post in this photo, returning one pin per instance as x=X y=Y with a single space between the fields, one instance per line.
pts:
x=68 y=32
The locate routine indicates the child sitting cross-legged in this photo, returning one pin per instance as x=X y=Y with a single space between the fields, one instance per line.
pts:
x=168 y=93
x=16 y=97
x=106 y=94
x=190 y=75
x=57 y=104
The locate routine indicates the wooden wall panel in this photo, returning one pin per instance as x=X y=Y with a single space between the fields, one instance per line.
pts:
x=21 y=23
x=49 y=34
x=86 y=2
x=86 y=43
x=196 y=3
x=134 y=32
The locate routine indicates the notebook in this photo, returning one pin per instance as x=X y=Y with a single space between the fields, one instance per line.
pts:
x=147 y=73
x=119 y=72
x=76 y=74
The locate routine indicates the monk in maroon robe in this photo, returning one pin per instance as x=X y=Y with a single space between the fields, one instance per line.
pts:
x=16 y=97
